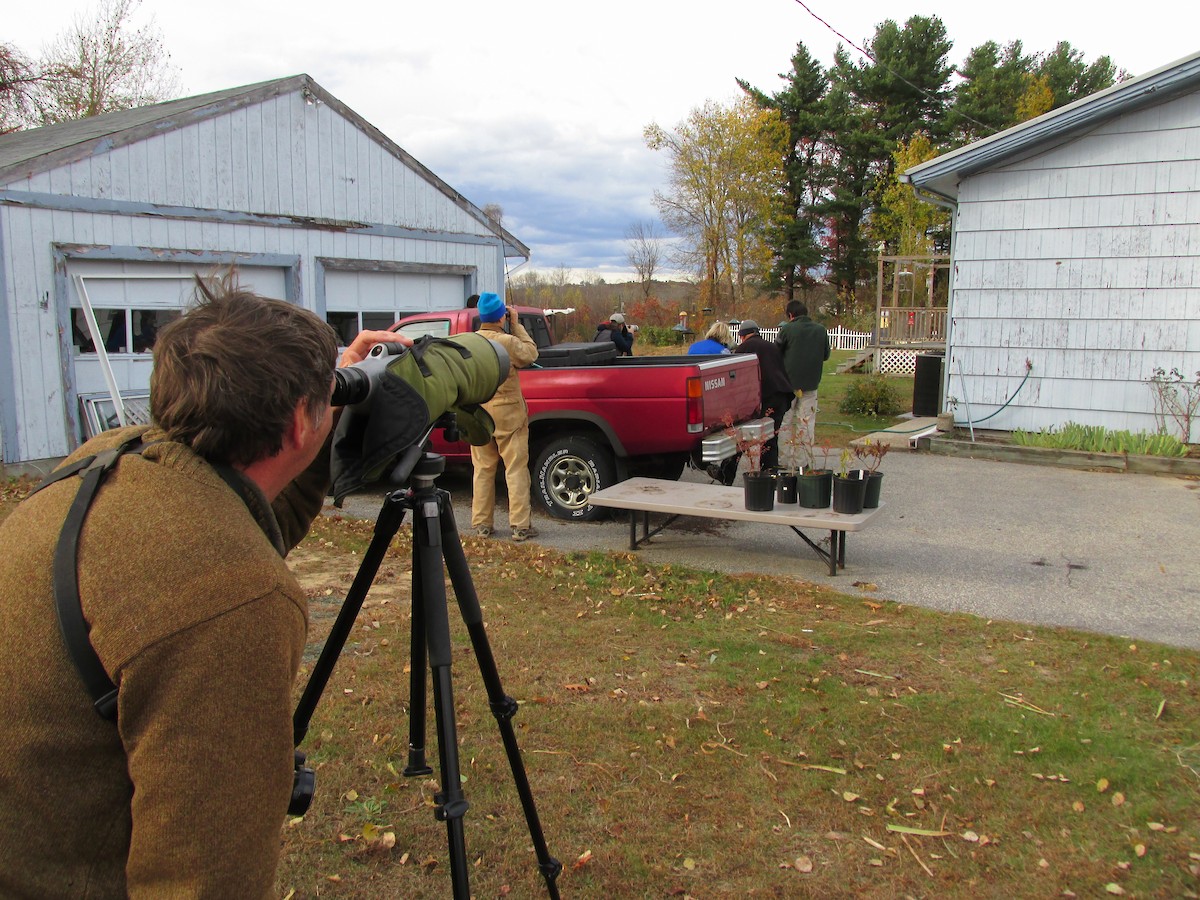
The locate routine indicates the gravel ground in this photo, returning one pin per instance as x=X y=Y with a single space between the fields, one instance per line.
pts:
x=1109 y=553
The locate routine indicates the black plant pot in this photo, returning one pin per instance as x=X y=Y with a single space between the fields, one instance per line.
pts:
x=871 y=496
x=848 y=494
x=813 y=489
x=760 y=491
x=786 y=487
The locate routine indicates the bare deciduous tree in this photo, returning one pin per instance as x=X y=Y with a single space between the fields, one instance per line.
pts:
x=102 y=63
x=18 y=80
x=643 y=252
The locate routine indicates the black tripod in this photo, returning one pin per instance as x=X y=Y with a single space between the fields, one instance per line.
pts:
x=435 y=542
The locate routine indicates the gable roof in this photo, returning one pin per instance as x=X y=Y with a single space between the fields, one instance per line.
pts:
x=37 y=150
x=942 y=175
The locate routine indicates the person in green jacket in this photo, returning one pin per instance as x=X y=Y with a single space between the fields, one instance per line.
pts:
x=805 y=347
x=192 y=613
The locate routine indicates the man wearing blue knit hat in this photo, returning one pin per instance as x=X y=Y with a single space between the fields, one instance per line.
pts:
x=510 y=440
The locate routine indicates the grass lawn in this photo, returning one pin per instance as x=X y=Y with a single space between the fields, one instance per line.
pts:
x=695 y=735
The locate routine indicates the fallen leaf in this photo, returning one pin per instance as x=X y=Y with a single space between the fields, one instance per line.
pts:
x=1102 y=785
x=803 y=864
x=970 y=836
x=1155 y=826
x=1118 y=799
x=1078 y=806
x=849 y=797
x=866 y=586
x=1139 y=850
x=689 y=864
x=1113 y=888
x=584 y=858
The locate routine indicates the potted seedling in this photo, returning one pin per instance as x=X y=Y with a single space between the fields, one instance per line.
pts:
x=871 y=453
x=750 y=439
x=796 y=457
x=848 y=487
x=815 y=485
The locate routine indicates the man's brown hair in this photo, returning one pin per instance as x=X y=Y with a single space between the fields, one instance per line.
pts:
x=229 y=373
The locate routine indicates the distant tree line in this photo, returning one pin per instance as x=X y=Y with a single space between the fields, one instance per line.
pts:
x=783 y=190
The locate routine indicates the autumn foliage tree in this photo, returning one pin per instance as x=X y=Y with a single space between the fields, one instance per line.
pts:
x=724 y=183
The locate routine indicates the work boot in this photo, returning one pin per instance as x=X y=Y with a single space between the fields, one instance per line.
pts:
x=522 y=534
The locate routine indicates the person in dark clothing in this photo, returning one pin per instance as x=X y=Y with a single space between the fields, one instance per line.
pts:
x=805 y=347
x=614 y=330
x=776 y=390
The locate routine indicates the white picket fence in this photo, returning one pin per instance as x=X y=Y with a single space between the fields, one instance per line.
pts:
x=839 y=338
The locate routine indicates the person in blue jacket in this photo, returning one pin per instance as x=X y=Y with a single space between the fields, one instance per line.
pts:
x=716 y=340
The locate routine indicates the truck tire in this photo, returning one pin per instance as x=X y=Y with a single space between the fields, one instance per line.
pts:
x=567 y=472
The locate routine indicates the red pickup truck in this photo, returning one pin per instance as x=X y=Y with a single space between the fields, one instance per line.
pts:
x=596 y=418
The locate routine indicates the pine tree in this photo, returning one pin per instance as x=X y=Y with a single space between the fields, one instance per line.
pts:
x=794 y=230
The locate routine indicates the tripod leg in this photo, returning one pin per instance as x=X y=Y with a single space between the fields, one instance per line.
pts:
x=503 y=707
x=418 y=659
x=391 y=515
x=452 y=805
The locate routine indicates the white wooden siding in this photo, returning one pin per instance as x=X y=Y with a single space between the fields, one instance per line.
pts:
x=1085 y=261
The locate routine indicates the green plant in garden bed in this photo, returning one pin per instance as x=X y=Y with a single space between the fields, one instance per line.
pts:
x=871 y=395
x=1097 y=439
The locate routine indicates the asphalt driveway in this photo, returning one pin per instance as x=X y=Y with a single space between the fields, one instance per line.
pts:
x=1117 y=554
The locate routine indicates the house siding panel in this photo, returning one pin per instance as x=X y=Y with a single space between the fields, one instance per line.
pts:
x=1092 y=246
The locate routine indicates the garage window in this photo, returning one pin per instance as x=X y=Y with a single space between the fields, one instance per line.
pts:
x=349 y=324
x=125 y=330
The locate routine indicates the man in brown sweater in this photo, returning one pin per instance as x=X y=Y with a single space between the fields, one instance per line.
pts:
x=192 y=612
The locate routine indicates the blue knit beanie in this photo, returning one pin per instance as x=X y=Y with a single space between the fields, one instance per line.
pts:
x=491 y=308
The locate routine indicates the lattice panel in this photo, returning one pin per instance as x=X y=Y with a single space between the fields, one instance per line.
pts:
x=897 y=362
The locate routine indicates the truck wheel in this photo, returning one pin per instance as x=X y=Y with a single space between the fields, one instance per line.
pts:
x=568 y=471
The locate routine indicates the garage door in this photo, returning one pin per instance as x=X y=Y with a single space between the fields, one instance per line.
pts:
x=356 y=300
x=131 y=302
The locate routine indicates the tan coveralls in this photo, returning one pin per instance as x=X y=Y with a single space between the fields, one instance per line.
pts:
x=510 y=440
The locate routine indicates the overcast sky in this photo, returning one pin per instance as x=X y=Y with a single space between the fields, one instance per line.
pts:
x=539 y=105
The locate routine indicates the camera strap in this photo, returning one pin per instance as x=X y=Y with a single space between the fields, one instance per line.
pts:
x=67 y=605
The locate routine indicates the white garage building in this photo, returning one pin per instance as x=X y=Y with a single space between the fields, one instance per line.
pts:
x=113 y=215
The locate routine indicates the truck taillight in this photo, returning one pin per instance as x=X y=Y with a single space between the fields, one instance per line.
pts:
x=695 y=405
